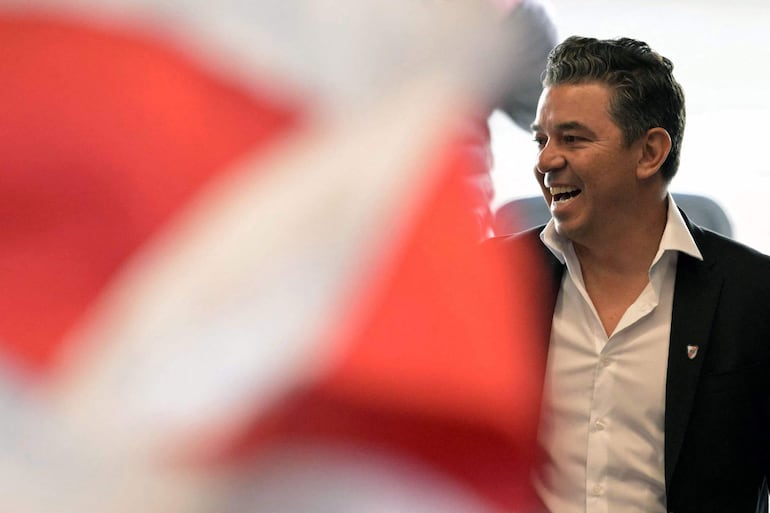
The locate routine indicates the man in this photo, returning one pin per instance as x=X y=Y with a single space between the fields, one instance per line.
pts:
x=657 y=385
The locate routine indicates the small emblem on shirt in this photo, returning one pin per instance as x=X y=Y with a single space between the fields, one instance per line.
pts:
x=692 y=352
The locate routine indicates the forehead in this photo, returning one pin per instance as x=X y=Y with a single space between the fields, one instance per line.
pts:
x=585 y=104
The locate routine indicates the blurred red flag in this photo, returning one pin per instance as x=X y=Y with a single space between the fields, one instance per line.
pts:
x=439 y=365
x=196 y=263
x=105 y=135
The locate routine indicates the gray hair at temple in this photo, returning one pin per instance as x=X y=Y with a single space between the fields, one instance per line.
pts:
x=646 y=95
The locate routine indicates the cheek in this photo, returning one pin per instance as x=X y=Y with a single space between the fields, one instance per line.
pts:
x=620 y=176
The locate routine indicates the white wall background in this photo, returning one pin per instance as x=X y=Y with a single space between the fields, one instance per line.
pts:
x=721 y=55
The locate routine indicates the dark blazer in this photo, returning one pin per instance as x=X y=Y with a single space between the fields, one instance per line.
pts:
x=717 y=419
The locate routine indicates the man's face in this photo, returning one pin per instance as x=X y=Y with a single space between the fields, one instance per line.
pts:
x=586 y=171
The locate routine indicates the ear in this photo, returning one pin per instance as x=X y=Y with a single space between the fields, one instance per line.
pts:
x=656 y=144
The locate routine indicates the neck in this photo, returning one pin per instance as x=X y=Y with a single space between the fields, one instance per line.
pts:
x=627 y=248
x=616 y=271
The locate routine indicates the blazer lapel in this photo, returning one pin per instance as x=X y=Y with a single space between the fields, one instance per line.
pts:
x=556 y=272
x=544 y=301
x=696 y=294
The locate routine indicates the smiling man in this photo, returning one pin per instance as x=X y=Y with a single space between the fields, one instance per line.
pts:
x=657 y=385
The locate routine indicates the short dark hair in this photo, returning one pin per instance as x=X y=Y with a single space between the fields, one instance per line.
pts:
x=646 y=95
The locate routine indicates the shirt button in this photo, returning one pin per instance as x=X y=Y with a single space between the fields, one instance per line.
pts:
x=597 y=490
x=604 y=361
x=599 y=425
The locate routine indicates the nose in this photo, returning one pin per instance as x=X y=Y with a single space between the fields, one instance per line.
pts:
x=549 y=159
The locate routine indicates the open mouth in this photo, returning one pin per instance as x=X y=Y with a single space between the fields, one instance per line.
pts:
x=561 y=194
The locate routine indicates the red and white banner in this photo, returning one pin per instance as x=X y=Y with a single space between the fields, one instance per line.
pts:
x=239 y=262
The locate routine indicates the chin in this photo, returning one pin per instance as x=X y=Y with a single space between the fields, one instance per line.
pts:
x=560 y=228
x=566 y=230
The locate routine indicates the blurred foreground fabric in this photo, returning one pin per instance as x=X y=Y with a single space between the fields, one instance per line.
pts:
x=239 y=261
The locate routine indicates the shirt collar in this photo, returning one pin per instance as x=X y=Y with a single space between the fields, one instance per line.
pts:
x=676 y=237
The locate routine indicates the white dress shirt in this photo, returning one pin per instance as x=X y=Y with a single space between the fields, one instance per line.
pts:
x=601 y=431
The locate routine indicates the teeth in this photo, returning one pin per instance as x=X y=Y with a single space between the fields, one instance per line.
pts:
x=562 y=194
x=560 y=190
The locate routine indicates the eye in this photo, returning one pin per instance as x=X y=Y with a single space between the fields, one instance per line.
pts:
x=571 y=139
x=541 y=140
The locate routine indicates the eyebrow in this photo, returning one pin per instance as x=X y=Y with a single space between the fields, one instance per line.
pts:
x=563 y=127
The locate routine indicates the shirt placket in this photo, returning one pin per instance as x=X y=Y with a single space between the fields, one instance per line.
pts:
x=597 y=450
